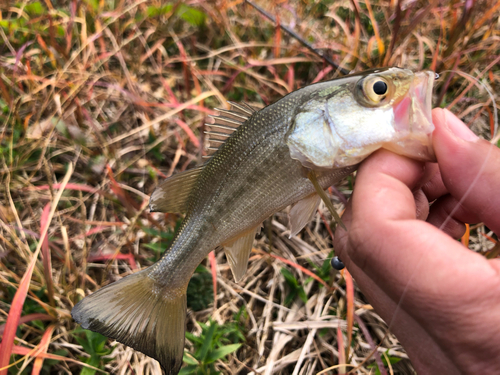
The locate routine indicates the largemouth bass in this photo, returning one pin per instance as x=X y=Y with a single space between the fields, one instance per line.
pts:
x=260 y=164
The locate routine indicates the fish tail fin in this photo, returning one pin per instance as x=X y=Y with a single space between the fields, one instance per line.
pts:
x=138 y=313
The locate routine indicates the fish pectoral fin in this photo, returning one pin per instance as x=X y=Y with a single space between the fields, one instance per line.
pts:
x=173 y=193
x=312 y=177
x=238 y=252
x=302 y=213
x=138 y=313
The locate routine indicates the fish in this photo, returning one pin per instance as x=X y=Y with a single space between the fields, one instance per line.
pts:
x=260 y=162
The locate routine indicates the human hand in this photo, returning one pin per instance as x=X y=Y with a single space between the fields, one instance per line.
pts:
x=439 y=298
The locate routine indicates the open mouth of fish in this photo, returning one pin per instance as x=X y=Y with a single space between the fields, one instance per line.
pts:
x=413 y=120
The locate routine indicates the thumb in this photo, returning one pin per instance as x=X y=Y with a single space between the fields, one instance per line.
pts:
x=470 y=167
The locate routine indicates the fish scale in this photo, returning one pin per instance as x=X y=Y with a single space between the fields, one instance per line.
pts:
x=278 y=156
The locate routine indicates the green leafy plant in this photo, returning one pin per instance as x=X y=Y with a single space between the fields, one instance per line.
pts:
x=211 y=346
x=94 y=344
x=386 y=360
x=322 y=271
x=200 y=292
x=296 y=290
x=191 y=15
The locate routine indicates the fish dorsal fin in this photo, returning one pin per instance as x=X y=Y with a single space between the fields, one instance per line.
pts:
x=225 y=123
x=302 y=213
x=173 y=193
x=238 y=252
x=243 y=108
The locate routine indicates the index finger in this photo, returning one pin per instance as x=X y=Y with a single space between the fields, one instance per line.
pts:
x=382 y=197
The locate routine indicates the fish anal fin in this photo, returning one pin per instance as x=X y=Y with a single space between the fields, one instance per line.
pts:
x=238 y=252
x=139 y=314
x=302 y=213
x=173 y=193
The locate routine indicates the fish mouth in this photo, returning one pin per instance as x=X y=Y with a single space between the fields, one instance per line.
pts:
x=413 y=120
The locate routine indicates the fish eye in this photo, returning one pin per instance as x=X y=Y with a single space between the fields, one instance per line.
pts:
x=374 y=91
x=380 y=87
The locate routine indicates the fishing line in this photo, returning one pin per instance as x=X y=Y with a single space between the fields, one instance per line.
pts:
x=495 y=137
x=493 y=141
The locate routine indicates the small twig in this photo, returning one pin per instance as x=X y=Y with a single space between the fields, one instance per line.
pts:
x=300 y=39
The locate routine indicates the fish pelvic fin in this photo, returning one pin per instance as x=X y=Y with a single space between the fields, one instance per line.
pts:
x=302 y=212
x=238 y=251
x=138 y=313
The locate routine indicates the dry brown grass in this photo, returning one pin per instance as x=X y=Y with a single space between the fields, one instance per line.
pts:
x=100 y=100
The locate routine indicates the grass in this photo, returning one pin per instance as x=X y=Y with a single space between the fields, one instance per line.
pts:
x=101 y=100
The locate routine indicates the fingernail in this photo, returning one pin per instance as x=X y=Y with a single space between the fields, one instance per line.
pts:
x=458 y=128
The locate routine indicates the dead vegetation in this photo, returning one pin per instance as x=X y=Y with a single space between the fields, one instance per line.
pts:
x=101 y=100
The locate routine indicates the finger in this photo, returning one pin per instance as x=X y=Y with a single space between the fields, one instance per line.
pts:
x=433 y=187
x=386 y=161
x=413 y=262
x=400 y=254
x=427 y=274
x=383 y=193
x=469 y=167
x=421 y=204
x=426 y=355
x=444 y=215
x=341 y=235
